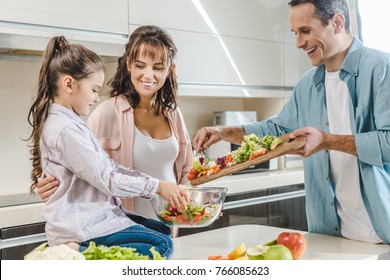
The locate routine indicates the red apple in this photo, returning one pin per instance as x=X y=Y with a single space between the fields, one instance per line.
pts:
x=294 y=241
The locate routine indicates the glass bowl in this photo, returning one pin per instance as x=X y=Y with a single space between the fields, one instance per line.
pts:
x=203 y=209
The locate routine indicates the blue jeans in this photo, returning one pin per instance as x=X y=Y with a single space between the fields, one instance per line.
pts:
x=148 y=233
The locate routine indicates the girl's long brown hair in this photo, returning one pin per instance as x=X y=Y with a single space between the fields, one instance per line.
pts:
x=60 y=58
x=153 y=42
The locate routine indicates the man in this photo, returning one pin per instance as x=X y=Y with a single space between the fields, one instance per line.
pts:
x=342 y=108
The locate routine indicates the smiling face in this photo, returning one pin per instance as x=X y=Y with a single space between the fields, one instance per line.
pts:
x=324 y=44
x=148 y=73
x=84 y=93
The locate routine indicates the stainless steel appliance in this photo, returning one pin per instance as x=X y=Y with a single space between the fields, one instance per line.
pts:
x=17 y=241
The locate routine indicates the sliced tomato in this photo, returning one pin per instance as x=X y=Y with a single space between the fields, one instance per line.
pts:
x=228 y=158
x=216 y=168
x=218 y=257
x=181 y=219
x=255 y=155
x=193 y=171
x=213 y=257
x=198 y=218
x=168 y=218
x=191 y=176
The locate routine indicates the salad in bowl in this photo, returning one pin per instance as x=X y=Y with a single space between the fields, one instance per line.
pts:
x=203 y=208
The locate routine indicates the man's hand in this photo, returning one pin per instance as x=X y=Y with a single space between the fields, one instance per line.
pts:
x=207 y=136
x=317 y=140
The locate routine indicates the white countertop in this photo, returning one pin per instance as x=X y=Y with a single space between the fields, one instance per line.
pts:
x=14 y=215
x=318 y=246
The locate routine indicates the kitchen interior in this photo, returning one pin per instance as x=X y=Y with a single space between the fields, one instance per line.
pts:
x=237 y=61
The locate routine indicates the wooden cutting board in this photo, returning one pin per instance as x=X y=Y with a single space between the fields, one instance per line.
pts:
x=282 y=149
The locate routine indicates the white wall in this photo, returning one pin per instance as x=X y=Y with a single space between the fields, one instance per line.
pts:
x=17 y=80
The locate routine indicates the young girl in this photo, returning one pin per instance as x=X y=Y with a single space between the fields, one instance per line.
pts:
x=141 y=123
x=85 y=206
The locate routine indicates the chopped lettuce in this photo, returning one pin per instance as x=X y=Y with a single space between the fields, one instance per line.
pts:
x=192 y=209
x=276 y=142
x=201 y=163
x=266 y=141
x=252 y=144
x=102 y=252
x=156 y=255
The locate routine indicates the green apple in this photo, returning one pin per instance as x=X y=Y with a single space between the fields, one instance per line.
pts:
x=257 y=252
x=278 y=252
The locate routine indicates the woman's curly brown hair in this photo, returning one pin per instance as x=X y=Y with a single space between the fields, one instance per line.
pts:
x=153 y=42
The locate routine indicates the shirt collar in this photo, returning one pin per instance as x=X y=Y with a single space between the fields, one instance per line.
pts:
x=123 y=103
x=350 y=63
x=60 y=110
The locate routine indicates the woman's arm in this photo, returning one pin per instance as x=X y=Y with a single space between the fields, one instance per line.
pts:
x=47 y=187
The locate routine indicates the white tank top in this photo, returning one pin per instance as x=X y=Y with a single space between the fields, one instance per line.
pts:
x=155 y=157
x=355 y=222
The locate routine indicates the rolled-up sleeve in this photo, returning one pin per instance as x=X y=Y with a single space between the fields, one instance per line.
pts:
x=373 y=117
x=368 y=148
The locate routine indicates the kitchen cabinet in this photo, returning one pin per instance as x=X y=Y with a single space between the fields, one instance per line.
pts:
x=215 y=66
x=225 y=48
x=17 y=241
x=26 y=26
x=101 y=16
x=296 y=63
x=232 y=63
x=255 y=19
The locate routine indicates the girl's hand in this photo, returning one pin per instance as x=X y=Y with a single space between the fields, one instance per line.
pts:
x=172 y=193
x=47 y=186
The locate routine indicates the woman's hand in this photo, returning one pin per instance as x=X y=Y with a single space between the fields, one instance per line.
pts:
x=47 y=186
x=172 y=193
